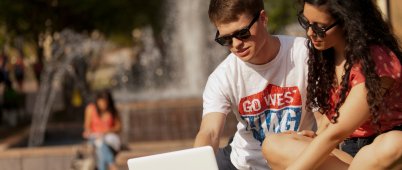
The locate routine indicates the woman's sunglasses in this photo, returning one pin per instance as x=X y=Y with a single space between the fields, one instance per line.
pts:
x=242 y=34
x=319 y=31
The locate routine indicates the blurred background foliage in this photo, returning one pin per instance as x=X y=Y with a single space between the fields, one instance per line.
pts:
x=280 y=13
x=113 y=18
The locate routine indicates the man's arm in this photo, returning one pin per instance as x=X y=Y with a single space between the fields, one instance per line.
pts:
x=212 y=125
x=87 y=120
x=117 y=125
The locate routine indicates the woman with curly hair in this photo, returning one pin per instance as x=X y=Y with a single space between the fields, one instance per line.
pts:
x=355 y=82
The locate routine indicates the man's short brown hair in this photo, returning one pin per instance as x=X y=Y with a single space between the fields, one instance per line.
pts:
x=224 y=11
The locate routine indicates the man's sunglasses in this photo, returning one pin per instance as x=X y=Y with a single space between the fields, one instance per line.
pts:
x=319 y=31
x=242 y=34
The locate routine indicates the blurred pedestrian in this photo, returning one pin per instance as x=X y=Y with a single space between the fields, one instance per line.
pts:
x=19 y=72
x=38 y=67
x=4 y=70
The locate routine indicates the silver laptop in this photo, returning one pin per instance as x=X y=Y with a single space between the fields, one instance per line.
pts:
x=201 y=158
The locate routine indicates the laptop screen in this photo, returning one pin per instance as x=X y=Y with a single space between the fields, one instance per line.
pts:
x=201 y=158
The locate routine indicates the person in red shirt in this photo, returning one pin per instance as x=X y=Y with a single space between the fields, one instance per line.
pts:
x=355 y=83
x=101 y=126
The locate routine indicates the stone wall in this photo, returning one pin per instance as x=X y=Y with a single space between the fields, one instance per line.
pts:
x=165 y=120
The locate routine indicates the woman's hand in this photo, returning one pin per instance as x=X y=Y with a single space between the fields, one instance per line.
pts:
x=86 y=134
x=307 y=133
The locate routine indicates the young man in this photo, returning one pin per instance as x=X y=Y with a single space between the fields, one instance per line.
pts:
x=262 y=81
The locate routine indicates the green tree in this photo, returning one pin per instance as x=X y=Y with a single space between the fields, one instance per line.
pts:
x=29 y=19
x=280 y=13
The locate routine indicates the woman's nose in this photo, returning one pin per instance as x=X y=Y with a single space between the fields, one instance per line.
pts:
x=310 y=32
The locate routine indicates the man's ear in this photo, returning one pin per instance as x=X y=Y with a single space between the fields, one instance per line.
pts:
x=264 y=17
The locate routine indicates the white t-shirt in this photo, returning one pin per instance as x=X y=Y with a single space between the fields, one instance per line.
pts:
x=265 y=98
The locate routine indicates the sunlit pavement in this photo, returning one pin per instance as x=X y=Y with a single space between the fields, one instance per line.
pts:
x=64 y=157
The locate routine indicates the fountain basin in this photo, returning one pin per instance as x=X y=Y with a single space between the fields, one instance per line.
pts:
x=62 y=142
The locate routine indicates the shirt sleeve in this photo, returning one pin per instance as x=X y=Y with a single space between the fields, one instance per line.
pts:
x=214 y=96
x=356 y=75
x=387 y=65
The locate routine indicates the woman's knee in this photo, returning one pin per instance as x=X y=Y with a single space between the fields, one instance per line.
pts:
x=271 y=151
x=387 y=149
x=270 y=145
x=276 y=148
x=389 y=145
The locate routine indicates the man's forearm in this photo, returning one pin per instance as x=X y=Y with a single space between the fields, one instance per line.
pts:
x=203 y=139
x=210 y=130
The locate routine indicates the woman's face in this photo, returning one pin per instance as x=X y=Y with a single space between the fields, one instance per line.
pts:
x=102 y=104
x=319 y=17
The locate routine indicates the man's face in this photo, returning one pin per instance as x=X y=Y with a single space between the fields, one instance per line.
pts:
x=243 y=44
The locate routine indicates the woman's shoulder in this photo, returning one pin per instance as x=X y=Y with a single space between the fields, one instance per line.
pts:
x=381 y=53
x=386 y=61
x=90 y=107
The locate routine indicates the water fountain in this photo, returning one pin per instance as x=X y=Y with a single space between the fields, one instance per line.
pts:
x=179 y=72
x=67 y=48
x=168 y=92
x=189 y=55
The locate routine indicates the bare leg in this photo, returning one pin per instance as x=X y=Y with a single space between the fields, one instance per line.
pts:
x=384 y=153
x=282 y=149
x=112 y=166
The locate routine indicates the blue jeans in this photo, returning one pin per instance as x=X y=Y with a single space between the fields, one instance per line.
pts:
x=353 y=145
x=223 y=157
x=104 y=154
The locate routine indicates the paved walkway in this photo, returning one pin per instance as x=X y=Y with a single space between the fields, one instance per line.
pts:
x=63 y=157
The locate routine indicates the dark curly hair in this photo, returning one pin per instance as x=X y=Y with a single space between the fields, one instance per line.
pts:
x=363 y=26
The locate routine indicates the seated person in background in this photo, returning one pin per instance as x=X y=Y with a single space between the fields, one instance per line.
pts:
x=101 y=126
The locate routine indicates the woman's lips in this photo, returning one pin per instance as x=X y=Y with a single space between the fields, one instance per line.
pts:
x=316 y=42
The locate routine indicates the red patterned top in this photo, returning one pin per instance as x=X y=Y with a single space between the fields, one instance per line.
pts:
x=387 y=65
x=100 y=124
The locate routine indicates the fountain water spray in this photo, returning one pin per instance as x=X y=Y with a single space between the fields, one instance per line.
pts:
x=188 y=55
x=67 y=47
